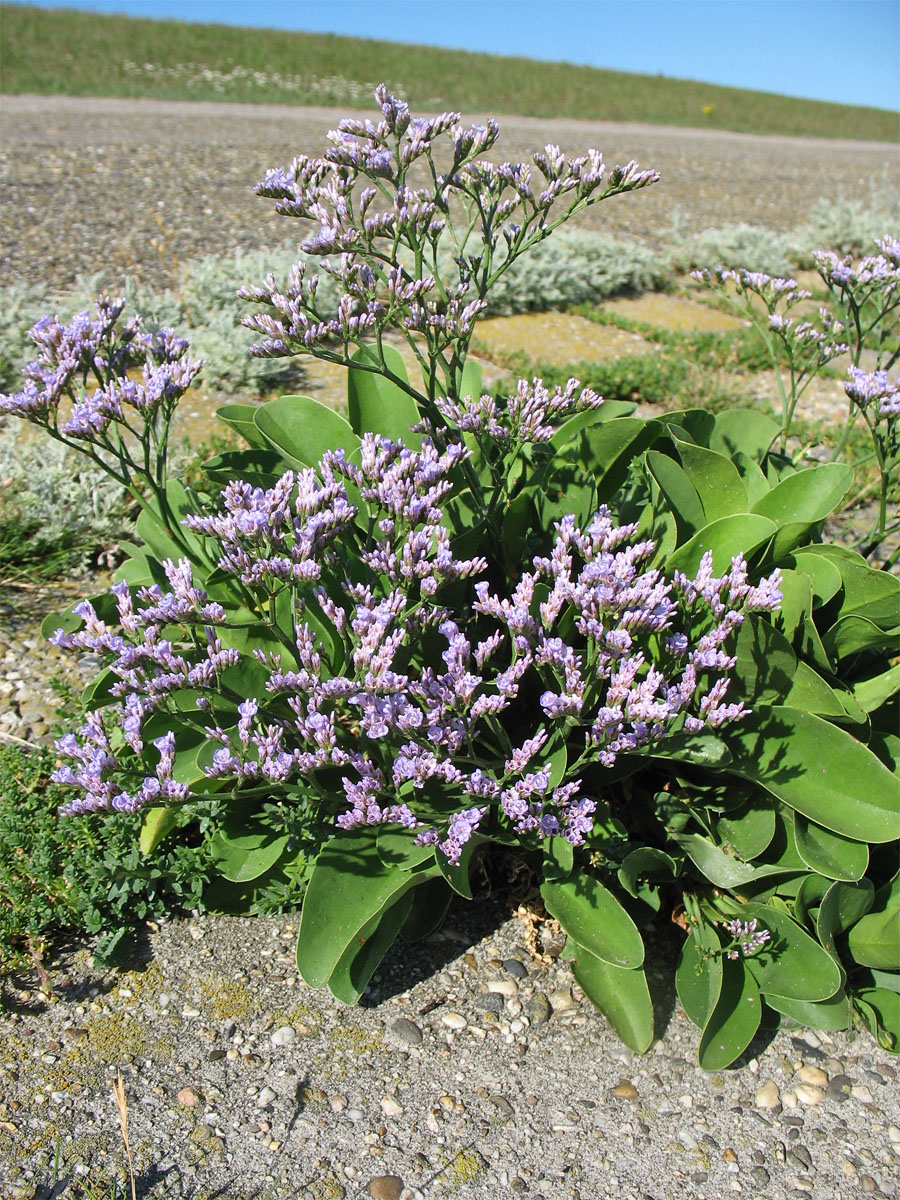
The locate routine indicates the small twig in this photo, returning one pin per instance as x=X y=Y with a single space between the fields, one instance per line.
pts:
x=11 y=737
x=119 y=1094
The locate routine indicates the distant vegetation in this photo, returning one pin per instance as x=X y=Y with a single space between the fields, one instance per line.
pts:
x=84 y=54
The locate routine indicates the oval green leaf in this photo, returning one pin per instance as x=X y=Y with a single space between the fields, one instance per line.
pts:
x=733 y=1023
x=621 y=995
x=592 y=916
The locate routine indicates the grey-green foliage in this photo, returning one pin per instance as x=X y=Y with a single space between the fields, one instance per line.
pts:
x=577 y=268
x=851 y=224
x=57 y=510
x=750 y=246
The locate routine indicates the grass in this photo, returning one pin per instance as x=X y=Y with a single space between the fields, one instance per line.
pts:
x=83 y=54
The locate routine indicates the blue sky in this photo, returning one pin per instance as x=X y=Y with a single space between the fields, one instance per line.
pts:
x=842 y=50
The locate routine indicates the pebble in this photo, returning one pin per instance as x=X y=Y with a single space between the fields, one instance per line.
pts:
x=503 y=987
x=867 y=1183
x=625 y=1090
x=538 y=1009
x=188 y=1097
x=385 y=1187
x=489 y=1002
x=265 y=1097
x=561 y=1001
x=839 y=1088
x=283 y=1036
x=809 y=1095
x=454 y=1020
x=515 y=967
x=814 y=1075
x=767 y=1096
x=390 y=1107
x=860 y=1092
x=407 y=1031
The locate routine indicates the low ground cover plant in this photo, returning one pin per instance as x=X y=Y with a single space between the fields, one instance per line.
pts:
x=453 y=621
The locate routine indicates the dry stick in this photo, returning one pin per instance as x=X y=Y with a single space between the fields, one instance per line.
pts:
x=11 y=737
x=119 y=1093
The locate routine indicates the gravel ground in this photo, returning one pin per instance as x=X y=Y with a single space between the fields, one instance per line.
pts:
x=137 y=185
x=473 y=1068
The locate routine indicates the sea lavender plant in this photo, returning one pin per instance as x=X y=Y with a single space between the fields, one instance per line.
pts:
x=804 y=346
x=459 y=620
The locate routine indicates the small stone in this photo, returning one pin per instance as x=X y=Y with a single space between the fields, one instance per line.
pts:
x=188 y=1097
x=860 y=1092
x=538 y=1009
x=809 y=1095
x=503 y=987
x=489 y=1002
x=265 y=1097
x=407 y=1031
x=390 y=1107
x=625 y=1090
x=894 y=1133
x=760 y=1176
x=814 y=1075
x=767 y=1096
x=502 y=1105
x=283 y=1036
x=515 y=967
x=561 y=1001
x=385 y=1187
x=867 y=1183
x=454 y=1020
x=849 y=1169
x=215 y=1055
x=728 y=1155
x=470 y=961
x=839 y=1088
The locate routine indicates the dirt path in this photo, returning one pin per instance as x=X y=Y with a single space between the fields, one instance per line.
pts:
x=138 y=185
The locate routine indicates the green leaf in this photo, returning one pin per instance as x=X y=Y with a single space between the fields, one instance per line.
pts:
x=260 y=468
x=430 y=902
x=646 y=862
x=97 y=693
x=823 y=574
x=156 y=823
x=829 y=854
x=457 y=874
x=765 y=665
x=808 y=496
x=716 y=479
x=239 y=417
x=727 y=537
x=833 y=1013
x=743 y=430
x=793 y=964
x=242 y=852
x=884 y=1007
x=871 y=693
x=853 y=633
x=592 y=916
x=719 y=868
x=375 y=404
x=698 y=980
x=349 y=888
x=680 y=493
x=749 y=830
x=559 y=858
x=302 y=429
x=874 y=941
x=621 y=995
x=397 y=848
x=611 y=447
x=871 y=593
x=732 y=1025
x=361 y=958
x=809 y=691
x=702 y=749
x=839 y=909
x=819 y=770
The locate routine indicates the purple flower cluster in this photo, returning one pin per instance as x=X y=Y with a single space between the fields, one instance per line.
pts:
x=747 y=938
x=531 y=415
x=384 y=193
x=875 y=272
x=409 y=699
x=865 y=388
x=94 y=354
